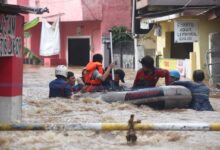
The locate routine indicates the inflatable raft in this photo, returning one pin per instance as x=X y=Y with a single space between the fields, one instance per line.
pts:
x=163 y=97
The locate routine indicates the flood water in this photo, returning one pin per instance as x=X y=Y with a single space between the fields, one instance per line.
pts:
x=38 y=108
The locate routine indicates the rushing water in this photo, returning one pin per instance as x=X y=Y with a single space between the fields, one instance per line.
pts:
x=38 y=108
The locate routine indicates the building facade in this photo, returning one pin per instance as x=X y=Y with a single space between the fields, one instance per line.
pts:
x=83 y=26
x=172 y=19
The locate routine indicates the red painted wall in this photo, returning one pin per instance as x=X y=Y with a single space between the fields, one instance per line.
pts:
x=25 y=3
x=88 y=28
x=12 y=66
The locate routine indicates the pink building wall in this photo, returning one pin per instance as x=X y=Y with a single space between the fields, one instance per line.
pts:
x=109 y=12
x=20 y=2
x=74 y=10
x=95 y=16
x=88 y=28
x=116 y=13
x=68 y=29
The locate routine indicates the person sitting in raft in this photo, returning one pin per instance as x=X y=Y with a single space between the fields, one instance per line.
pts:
x=200 y=92
x=148 y=76
x=94 y=75
x=174 y=76
x=72 y=80
x=59 y=87
x=115 y=85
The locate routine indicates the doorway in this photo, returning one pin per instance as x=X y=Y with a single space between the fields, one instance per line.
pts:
x=180 y=50
x=78 y=51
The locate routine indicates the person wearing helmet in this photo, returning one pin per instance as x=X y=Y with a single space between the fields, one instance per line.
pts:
x=60 y=87
x=148 y=75
x=174 y=76
x=200 y=92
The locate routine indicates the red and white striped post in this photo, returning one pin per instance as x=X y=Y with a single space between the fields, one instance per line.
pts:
x=11 y=66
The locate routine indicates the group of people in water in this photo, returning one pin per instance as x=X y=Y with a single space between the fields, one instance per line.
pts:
x=96 y=79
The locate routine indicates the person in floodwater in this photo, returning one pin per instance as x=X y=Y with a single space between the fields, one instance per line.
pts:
x=71 y=78
x=115 y=85
x=174 y=76
x=95 y=75
x=59 y=87
x=72 y=82
x=200 y=92
x=81 y=80
x=148 y=75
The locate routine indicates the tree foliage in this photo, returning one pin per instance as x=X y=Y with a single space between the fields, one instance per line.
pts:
x=120 y=33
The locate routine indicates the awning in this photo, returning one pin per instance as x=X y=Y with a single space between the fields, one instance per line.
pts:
x=160 y=19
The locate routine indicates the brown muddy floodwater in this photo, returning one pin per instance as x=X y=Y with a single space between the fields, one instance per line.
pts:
x=38 y=108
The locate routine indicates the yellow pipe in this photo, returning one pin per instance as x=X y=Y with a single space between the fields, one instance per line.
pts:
x=124 y=126
x=215 y=127
x=114 y=126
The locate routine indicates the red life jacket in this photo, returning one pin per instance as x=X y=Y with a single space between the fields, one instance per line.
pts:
x=90 y=68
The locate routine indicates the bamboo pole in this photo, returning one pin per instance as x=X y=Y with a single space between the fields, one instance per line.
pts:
x=113 y=127
x=112 y=54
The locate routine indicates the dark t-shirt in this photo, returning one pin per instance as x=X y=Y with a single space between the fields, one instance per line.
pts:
x=200 y=95
x=60 y=88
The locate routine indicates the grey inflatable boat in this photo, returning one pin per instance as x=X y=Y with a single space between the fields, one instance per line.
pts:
x=164 y=97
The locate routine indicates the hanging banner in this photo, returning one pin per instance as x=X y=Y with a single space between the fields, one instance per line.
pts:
x=186 y=31
x=50 y=38
x=10 y=37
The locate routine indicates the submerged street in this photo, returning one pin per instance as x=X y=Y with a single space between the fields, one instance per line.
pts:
x=38 y=108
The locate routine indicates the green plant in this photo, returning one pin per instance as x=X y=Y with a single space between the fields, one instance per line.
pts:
x=27 y=52
x=120 y=33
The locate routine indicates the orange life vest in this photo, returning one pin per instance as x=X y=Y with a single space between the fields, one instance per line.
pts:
x=90 y=68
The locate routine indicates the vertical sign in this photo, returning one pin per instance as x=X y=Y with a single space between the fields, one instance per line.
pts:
x=10 y=43
x=186 y=31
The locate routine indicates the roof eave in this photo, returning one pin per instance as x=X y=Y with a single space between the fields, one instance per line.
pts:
x=15 y=9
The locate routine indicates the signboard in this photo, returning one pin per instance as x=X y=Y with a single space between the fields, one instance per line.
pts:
x=173 y=64
x=10 y=40
x=186 y=31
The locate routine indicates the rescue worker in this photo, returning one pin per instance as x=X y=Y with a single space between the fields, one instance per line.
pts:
x=60 y=87
x=174 y=76
x=200 y=92
x=95 y=75
x=148 y=75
